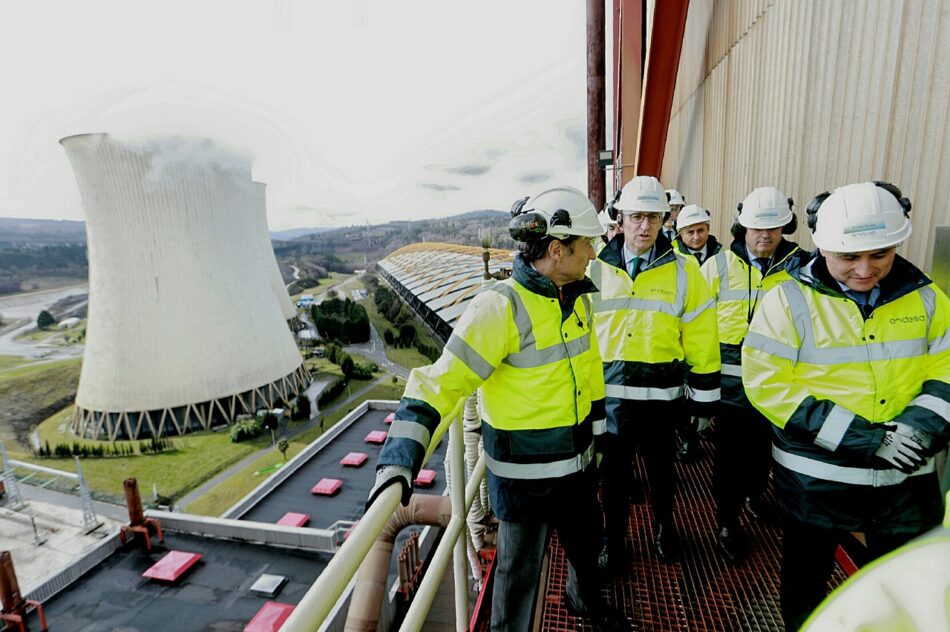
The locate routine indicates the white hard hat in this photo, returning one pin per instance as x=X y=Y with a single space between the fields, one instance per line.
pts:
x=560 y=213
x=765 y=208
x=859 y=217
x=691 y=214
x=675 y=198
x=605 y=221
x=643 y=194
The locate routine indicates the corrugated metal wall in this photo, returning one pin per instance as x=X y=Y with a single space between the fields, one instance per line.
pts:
x=813 y=94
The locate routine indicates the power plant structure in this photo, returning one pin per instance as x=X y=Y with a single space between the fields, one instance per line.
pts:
x=184 y=330
x=266 y=252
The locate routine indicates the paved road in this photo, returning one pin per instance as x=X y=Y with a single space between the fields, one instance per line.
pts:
x=26 y=306
x=375 y=350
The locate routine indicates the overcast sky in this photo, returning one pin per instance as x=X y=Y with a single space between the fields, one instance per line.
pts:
x=354 y=111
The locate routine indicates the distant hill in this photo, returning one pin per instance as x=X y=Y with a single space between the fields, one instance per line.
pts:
x=294 y=233
x=41 y=231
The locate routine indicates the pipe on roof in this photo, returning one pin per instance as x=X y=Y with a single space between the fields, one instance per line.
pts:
x=370 y=589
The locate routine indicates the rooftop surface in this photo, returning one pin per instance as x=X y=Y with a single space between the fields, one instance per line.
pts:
x=213 y=595
x=58 y=528
x=293 y=495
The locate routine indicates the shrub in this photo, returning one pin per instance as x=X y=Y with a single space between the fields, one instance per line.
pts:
x=245 y=429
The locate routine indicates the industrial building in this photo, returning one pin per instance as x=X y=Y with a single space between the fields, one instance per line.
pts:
x=266 y=251
x=179 y=338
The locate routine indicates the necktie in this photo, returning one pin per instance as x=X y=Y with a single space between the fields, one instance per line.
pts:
x=762 y=263
x=699 y=257
x=863 y=299
x=634 y=267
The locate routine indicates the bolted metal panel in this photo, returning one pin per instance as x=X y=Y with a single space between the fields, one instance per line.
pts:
x=809 y=95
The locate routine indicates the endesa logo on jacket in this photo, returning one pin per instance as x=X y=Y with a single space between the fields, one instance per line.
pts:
x=907 y=319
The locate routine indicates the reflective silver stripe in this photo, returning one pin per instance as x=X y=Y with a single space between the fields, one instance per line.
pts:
x=941 y=344
x=722 y=269
x=848 y=475
x=401 y=429
x=833 y=429
x=642 y=392
x=600 y=426
x=518 y=311
x=733 y=295
x=533 y=471
x=733 y=370
x=893 y=350
x=469 y=357
x=702 y=395
x=690 y=316
x=682 y=286
x=588 y=311
x=772 y=347
x=934 y=404
x=630 y=303
x=539 y=357
x=798 y=309
x=929 y=298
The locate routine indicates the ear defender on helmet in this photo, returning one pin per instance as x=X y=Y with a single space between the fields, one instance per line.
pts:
x=896 y=192
x=526 y=226
x=612 y=212
x=811 y=211
x=792 y=224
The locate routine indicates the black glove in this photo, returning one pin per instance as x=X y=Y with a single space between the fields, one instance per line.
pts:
x=900 y=450
x=386 y=476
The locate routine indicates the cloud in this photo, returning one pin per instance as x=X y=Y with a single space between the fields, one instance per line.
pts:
x=534 y=177
x=576 y=135
x=494 y=153
x=469 y=170
x=462 y=170
x=439 y=187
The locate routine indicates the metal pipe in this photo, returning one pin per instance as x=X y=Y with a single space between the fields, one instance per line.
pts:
x=422 y=602
x=134 y=502
x=10 y=597
x=459 y=512
x=370 y=588
x=596 y=102
x=317 y=603
x=663 y=59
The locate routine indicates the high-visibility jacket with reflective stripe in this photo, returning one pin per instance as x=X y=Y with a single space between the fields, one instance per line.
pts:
x=655 y=332
x=538 y=368
x=829 y=379
x=712 y=248
x=738 y=286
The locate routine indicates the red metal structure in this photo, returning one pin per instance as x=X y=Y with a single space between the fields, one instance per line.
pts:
x=138 y=523
x=663 y=60
x=14 y=606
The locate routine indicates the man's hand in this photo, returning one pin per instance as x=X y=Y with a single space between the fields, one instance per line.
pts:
x=388 y=475
x=901 y=451
x=702 y=423
x=922 y=437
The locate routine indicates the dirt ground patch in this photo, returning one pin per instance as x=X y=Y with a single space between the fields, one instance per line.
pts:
x=29 y=395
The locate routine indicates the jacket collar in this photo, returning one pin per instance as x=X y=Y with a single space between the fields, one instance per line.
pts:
x=612 y=253
x=788 y=255
x=903 y=278
x=712 y=246
x=534 y=281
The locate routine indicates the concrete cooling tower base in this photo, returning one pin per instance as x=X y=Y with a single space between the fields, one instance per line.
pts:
x=112 y=426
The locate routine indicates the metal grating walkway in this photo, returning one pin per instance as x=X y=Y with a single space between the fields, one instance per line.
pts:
x=700 y=592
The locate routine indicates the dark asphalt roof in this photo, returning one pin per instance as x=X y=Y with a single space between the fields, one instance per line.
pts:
x=294 y=493
x=213 y=595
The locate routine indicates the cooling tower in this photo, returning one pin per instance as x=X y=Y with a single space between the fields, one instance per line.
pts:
x=183 y=331
x=268 y=258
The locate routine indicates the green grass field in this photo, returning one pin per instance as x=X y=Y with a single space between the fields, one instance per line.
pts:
x=241 y=483
x=8 y=362
x=325 y=285
x=409 y=358
x=194 y=459
x=31 y=392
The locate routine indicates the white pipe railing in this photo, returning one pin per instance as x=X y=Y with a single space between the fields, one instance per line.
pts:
x=319 y=601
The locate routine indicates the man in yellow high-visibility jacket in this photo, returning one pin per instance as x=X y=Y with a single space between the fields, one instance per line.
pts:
x=850 y=361
x=656 y=325
x=528 y=344
x=739 y=277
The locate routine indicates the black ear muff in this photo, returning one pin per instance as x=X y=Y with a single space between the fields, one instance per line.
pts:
x=737 y=231
x=561 y=218
x=811 y=211
x=896 y=192
x=739 y=207
x=612 y=211
x=517 y=207
x=791 y=226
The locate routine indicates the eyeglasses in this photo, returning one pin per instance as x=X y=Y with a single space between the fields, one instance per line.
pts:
x=637 y=218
